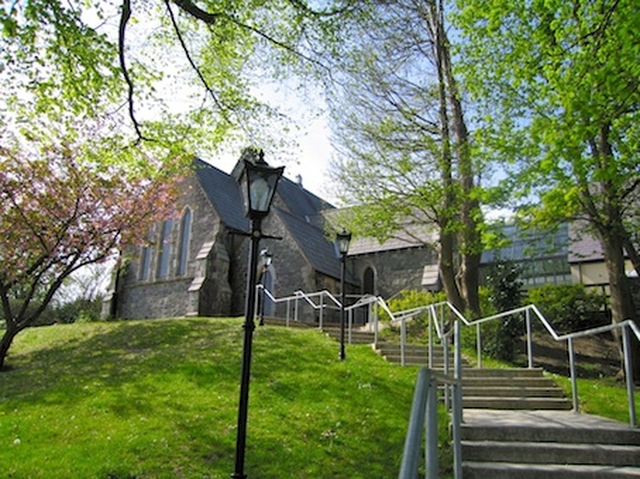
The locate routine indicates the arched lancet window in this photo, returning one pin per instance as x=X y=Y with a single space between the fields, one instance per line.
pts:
x=183 y=247
x=164 y=250
x=146 y=254
x=369 y=281
x=368 y=287
x=145 y=263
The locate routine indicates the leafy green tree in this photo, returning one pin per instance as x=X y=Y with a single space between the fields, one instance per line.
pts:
x=175 y=73
x=560 y=82
x=399 y=121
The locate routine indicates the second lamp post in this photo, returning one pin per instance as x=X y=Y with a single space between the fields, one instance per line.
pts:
x=342 y=241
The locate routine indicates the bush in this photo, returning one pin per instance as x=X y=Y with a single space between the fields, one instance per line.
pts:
x=79 y=310
x=569 y=307
x=409 y=299
x=505 y=293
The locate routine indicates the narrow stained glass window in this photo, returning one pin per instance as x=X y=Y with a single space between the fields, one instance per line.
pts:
x=183 y=248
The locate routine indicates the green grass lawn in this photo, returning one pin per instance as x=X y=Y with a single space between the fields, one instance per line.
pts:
x=156 y=399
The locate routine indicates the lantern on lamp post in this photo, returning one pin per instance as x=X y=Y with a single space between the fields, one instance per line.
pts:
x=342 y=242
x=258 y=183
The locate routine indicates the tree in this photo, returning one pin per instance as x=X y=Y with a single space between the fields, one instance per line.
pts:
x=60 y=213
x=178 y=74
x=560 y=80
x=407 y=156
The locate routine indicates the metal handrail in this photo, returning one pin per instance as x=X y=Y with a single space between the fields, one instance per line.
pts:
x=625 y=326
x=424 y=414
x=403 y=316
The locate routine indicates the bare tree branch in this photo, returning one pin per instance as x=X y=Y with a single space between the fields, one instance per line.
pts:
x=203 y=80
x=124 y=19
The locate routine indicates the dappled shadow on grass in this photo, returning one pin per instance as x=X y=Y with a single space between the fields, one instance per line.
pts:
x=159 y=399
x=120 y=353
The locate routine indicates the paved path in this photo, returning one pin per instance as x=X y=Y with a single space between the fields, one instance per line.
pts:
x=561 y=419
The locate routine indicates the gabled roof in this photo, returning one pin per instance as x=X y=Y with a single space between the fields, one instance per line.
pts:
x=300 y=202
x=302 y=217
x=314 y=245
x=223 y=193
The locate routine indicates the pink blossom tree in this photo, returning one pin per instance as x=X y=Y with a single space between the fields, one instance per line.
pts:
x=60 y=212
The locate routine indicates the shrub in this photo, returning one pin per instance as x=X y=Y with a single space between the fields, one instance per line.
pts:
x=569 y=307
x=79 y=310
x=505 y=293
x=409 y=299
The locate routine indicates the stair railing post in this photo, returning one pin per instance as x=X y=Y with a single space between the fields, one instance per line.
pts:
x=445 y=346
x=628 y=371
x=295 y=309
x=430 y=337
x=375 y=323
x=403 y=339
x=457 y=424
x=574 y=381
x=431 y=449
x=457 y=367
x=529 y=338
x=479 y=344
x=413 y=441
x=288 y=310
x=321 y=321
x=350 y=323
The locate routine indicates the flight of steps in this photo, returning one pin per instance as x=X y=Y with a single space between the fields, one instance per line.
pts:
x=488 y=388
x=522 y=389
x=517 y=424
x=357 y=337
x=547 y=444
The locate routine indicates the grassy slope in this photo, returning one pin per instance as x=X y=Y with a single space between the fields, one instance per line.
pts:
x=159 y=399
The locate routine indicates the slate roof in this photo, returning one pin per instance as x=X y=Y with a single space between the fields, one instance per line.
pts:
x=223 y=193
x=300 y=202
x=413 y=237
x=303 y=220
x=319 y=251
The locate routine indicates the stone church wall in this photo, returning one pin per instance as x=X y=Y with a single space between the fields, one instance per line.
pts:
x=394 y=270
x=170 y=296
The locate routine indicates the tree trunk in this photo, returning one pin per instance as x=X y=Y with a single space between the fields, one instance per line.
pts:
x=447 y=270
x=469 y=244
x=622 y=306
x=5 y=343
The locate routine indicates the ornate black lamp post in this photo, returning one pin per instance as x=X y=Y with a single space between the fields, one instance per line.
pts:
x=259 y=183
x=342 y=241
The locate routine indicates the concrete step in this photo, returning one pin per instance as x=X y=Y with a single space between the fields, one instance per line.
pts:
x=484 y=470
x=551 y=453
x=356 y=337
x=517 y=403
x=504 y=373
x=512 y=391
x=515 y=389
x=280 y=322
x=500 y=382
x=416 y=349
x=410 y=359
x=547 y=444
